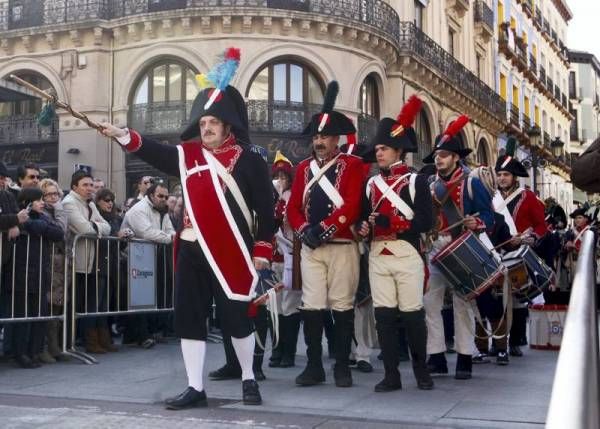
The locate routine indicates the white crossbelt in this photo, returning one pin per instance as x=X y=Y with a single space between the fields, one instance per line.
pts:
x=231 y=185
x=322 y=180
x=390 y=194
x=501 y=206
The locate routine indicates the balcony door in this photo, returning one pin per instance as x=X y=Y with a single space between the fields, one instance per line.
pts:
x=282 y=97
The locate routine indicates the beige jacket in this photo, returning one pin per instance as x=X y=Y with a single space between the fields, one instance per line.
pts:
x=81 y=223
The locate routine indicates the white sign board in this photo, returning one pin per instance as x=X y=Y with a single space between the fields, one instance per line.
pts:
x=142 y=275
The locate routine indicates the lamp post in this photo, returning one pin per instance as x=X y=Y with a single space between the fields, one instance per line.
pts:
x=534 y=160
x=557 y=147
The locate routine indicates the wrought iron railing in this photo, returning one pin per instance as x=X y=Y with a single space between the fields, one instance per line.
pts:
x=414 y=42
x=546 y=139
x=514 y=115
x=35 y=13
x=538 y=17
x=367 y=128
x=279 y=117
x=526 y=122
x=532 y=63
x=484 y=14
x=25 y=129
x=160 y=118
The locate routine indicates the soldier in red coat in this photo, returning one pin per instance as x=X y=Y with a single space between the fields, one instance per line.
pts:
x=324 y=203
x=221 y=246
x=524 y=214
x=397 y=209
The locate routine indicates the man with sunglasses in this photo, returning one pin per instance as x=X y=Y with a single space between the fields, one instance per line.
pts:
x=148 y=219
x=28 y=176
x=142 y=186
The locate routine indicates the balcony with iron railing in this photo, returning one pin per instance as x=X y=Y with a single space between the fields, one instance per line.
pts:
x=514 y=115
x=546 y=139
x=367 y=128
x=169 y=117
x=550 y=85
x=538 y=17
x=542 y=75
x=574 y=130
x=415 y=43
x=377 y=14
x=279 y=116
x=484 y=17
x=526 y=123
x=26 y=129
x=532 y=64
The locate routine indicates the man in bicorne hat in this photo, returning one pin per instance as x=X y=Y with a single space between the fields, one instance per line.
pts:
x=325 y=202
x=397 y=208
x=464 y=204
x=225 y=186
x=524 y=214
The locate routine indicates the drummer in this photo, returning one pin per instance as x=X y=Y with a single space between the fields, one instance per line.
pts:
x=524 y=214
x=464 y=204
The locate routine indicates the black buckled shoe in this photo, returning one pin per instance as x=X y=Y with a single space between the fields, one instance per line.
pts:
x=189 y=398
x=390 y=383
x=259 y=375
x=502 y=358
x=516 y=351
x=342 y=375
x=437 y=364
x=311 y=375
x=225 y=373
x=364 y=366
x=250 y=393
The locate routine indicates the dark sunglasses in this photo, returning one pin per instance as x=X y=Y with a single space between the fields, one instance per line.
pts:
x=108 y=200
x=33 y=176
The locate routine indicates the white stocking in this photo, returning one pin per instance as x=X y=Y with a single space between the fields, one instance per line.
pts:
x=193 y=357
x=244 y=349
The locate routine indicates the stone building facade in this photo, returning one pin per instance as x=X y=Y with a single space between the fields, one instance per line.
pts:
x=132 y=62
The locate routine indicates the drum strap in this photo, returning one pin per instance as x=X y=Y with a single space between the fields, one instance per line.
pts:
x=507 y=306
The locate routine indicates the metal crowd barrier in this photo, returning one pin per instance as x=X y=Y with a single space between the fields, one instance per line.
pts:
x=115 y=277
x=13 y=309
x=575 y=394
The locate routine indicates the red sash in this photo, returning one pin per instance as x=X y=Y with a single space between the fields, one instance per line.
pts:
x=214 y=225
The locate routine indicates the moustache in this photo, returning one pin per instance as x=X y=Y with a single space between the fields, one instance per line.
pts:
x=319 y=146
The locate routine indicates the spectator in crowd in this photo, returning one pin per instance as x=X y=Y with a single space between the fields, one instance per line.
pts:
x=28 y=176
x=108 y=259
x=177 y=215
x=98 y=184
x=32 y=254
x=10 y=219
x=142 y=187
x=149 y=220
x=52 y=195
x=84 y=218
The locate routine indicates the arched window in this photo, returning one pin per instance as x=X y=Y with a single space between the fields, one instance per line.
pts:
x=26 y=107
x=162 y=97
x=424 y=138
x=282 y=97
x=482 y=155
x=368 y=105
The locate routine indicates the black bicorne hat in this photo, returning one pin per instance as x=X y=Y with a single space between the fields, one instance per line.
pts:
x=509 y=163
x=449 y=142
x=329 y=122
x=580 y=212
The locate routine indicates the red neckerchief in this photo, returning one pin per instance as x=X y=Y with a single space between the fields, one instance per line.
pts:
x=450 y=182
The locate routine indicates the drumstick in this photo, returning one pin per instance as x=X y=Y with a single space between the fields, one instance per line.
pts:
x=454 y=225
x=263 y=298
x=526 y=232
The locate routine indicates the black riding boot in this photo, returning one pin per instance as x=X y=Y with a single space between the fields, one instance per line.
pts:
x=387 y=332
x=344 y=330
x=437 y=364
x=313 y=335
x=416 y=330
x=329 y=332
x=290 y=340
x=464 y=366
x=261 y=324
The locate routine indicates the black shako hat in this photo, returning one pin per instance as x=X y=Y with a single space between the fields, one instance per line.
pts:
x=448 y=140
x=508 y=162
x=329 y=122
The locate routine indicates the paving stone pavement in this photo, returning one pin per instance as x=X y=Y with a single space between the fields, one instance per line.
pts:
x=125 y=390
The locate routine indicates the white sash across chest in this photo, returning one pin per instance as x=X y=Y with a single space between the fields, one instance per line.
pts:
x=388 y=192
x=321 y=180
